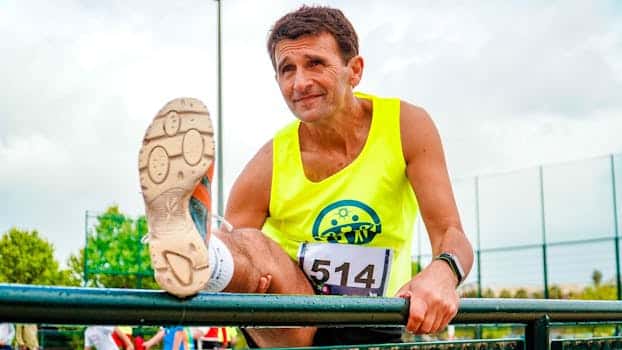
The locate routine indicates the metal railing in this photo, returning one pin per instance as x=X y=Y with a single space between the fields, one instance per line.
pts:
x=65 y=305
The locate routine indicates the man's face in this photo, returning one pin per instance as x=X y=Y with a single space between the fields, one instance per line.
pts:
x=312 y=76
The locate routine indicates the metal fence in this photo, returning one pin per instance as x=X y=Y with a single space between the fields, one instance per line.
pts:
x=78 y=306
x=542 y=229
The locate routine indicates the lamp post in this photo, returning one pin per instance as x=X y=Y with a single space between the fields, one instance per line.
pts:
x=219 y=147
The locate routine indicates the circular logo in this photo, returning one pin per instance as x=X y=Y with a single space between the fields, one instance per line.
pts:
x=347 y=221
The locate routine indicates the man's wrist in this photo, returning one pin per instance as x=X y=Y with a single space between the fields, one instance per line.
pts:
x=454 y=265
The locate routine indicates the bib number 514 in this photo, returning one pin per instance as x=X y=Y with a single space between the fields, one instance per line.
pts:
x=322 y=269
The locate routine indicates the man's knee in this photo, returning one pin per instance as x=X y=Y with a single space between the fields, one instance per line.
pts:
x=261 y=265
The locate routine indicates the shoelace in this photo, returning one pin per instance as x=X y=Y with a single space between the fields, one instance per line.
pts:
x=224 y=225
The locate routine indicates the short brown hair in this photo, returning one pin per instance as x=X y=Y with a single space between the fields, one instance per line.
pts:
x=315 y=20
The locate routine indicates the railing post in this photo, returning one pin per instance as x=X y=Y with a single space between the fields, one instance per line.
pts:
x=537 y=334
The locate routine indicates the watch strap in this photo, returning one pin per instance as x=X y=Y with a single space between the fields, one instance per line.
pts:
x=453 y=265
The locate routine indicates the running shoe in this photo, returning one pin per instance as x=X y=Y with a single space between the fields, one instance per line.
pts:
x=176 y=167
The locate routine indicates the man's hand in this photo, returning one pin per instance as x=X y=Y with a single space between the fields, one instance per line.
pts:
x=433 y=298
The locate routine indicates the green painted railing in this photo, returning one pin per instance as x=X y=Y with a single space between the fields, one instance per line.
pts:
x=493 y=344
x=609 y=343
x=62 y=305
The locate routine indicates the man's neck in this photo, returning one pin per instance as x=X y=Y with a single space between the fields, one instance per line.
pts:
x=345 y=132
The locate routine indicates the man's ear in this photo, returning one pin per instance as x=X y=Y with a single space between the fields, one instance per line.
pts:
x=356 y=65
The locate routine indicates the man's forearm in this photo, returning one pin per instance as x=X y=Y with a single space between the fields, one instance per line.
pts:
x=454 y=241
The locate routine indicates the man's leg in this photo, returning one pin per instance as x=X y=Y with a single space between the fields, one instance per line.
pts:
x=176 y=169
x=262 y=266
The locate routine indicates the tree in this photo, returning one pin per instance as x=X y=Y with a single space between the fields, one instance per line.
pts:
x=597 y=277
x=115 y=255
x=504 y=293
x=27 y=258
x=555 y=292
x=521 y=293
x=488 y=293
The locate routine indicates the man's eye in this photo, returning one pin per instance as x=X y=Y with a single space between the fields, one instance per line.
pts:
x=287 y=69
x=314 y=63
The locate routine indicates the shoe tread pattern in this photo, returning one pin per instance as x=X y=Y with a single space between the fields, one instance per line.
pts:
x=177 y=150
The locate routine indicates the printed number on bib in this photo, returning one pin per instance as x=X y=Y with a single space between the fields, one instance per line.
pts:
x=345 y=269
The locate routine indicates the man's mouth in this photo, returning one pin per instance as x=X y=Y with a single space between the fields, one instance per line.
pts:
x=306 y=97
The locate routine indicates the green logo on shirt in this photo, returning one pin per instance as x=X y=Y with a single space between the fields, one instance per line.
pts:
x=347 y=221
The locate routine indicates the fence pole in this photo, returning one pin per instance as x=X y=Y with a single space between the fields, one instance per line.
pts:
x=86 y=243
x=478 y=252
x=615 y=226
x=219 y=143
x=543 y=221
x=478 y=328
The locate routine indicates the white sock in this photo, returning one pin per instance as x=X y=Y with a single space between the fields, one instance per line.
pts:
x=221 y=261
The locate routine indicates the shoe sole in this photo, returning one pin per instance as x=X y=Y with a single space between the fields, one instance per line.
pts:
x=177 y=150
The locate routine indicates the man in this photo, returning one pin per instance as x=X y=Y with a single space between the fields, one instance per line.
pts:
x=128 y=333
x=26 y=336
x=172 y=338
x=211 y=337
x=333 y=192
x=100 y=338
x=7 y=333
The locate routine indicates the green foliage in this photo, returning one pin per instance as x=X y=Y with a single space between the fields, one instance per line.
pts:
x=505 y=293
x=470 y=292
x=28 y=258
x=521 y=293
x=597 y=277
x=115 y=256
x=555 y=292
x=415 y=268
x=488 y=293
x=600 y=292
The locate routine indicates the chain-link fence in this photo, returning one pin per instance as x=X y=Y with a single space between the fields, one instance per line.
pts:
x=545 y=230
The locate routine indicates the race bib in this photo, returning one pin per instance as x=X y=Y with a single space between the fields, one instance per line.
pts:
x=344 y=269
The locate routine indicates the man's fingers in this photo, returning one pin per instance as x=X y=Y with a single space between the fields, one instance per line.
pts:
x=428 y=323
x=440 y=323
x=451 y=312
x=264 y=283
x=435 y=316
x=417 y=314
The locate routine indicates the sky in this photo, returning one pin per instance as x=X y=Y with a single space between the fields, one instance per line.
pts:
x=510 y=85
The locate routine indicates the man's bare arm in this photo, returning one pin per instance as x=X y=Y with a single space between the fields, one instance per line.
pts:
x=434 y=301
x=249 y=199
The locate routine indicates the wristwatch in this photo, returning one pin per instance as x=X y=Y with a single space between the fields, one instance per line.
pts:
x=454 y=263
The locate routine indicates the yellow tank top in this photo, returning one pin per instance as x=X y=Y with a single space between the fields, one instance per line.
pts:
x=368 y=203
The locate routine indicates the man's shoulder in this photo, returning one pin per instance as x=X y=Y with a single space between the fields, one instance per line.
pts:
x=412 y=111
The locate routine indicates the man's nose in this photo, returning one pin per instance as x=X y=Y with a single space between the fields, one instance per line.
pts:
x=301 y=81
